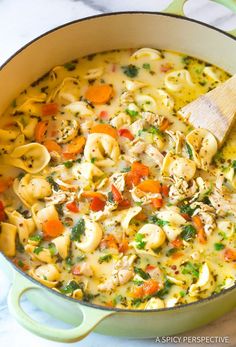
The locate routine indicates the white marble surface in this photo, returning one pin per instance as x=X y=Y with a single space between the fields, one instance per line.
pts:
x=23 y=20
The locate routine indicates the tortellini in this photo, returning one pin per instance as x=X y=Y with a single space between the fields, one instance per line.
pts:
x=173 y=223
x=92 y=74
x=164 y=100
x=9 y=139
x=25 y=226
x=42 y=254
x=174 y=165
x=154 y=303
x=92 y=237
x=32 y=157
x=42 y=214
x=203 y=145
x=8 y=239
x=146 y=102
x=121 y=120
x=31 y=188
x=80 y=108
x=62 y=244
x=134 y=85
x=88 y=171
x=152 y=54
x=67 y=91
x=65 y=127
x=46 y=274
x=152 y=236
x=102 y=147
x=176 y=80
x=204 y=283
x=27 y=125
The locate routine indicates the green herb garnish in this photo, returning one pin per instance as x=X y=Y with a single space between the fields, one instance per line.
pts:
x=78 y=230
x=187 y=209
x=219 y=246
x=130 y=70
x=36 y=238
x=155 y=220
x=105 y=258
x=131 y=113
x=171 y=251
x=191 y=269
x=189 y=151
x=165 y=290
x=126 y=169
x=70 y=288
x=37 y=250
x=147 y=66
x=70 y=66
x=140 y=244
x=141 y=273
x=188 y=233
x=54 y=185
x=52 y=249
x=68 y=164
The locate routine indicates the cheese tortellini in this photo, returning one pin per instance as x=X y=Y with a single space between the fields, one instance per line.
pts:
x=174 y=165
x=92 y=237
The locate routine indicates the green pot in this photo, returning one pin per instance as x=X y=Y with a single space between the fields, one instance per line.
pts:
x=105 y=32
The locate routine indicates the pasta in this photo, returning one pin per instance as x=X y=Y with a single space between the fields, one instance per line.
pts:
x=106 y=195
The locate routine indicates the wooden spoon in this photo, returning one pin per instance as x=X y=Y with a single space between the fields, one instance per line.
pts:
x=214 y=111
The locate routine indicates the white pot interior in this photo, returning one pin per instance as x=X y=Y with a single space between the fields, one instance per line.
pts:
x=112 y=32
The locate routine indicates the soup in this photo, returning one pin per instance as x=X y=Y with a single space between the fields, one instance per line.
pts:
x=107 y=195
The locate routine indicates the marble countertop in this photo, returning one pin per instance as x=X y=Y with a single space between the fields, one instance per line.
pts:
x=20 y=22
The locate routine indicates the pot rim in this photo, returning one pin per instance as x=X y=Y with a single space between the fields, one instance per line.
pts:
x=95 y=306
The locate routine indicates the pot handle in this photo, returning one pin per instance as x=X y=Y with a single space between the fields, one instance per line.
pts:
x=91 y=317
x=177 y=7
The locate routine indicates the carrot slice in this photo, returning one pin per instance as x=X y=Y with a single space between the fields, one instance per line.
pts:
x=150 y=186
x=116 y=194
x=141 y=216
x=165 y=190
x=104 y=129
x=126 y=133
x=53 y=228
x=74 y=147
x=157 y=202
x=2 y=213
x=200 y=229
x=72 y=206
x=125 y=203
x=177 y=243
x=97 y=204
x=49 y=109
x=5 y=183
x=52 y=146
x=165 y=125
x=90 y=194
x=230 y=254
x=140 y=169
x=131 y=179
x=123 y=245
x=149 y=287
x=109 y=241
x=40 y=131
x=99 y=94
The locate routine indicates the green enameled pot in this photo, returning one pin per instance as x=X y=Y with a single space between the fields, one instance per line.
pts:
x=168 y=30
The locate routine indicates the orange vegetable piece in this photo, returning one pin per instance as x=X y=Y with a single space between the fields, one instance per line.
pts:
x=177 y=255
x=40 y=131
x=52 y=146
x=165 y=125
x=2 y=213
x=97 y=204
x=165 y=190
x=99 y=94
x=149 y=287
x=131 y=179
x=76 y=270
x=186 y=216
x=141 y=216
x=49 y=109
x=72 y=206
x=230 y=254
x=116 y=194
x=75 y=146
x=125 y=203
x=104 y=129
x=150 y=186
x=177 y=243
x=140 y=169
x=126 y=133
x=53 y=228
x=157 y=202
x=5 y=183
x=123 y=246
x=90 y=194
x=200 y=229
x=109 y=241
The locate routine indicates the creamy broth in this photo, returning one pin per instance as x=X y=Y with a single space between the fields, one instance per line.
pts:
x=106 y=194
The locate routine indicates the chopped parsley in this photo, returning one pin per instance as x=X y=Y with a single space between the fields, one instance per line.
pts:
x=160 y=222
x=136 y=302
x=146 y=66
x=52 y=249
x=119 y=299
x=93 y=160
x=36 y=238
x=70 y=66
x=54 y=184
x=165 y=290
x=80 y=258
x=70 y=287
x=219 y=246
x=187 y=209
x=189 y=151
x=78 y=230
x=130 y=70
x=234 y=165
x=141 y=273
x=110 y=197
x=126 y=169
x=37 y=250
x=188 y=233
x=68 y=164
x=171 y=251
x=131 y=113
x=105 y=258
x=191 y=269
x=140 y=244
x=154 y=130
